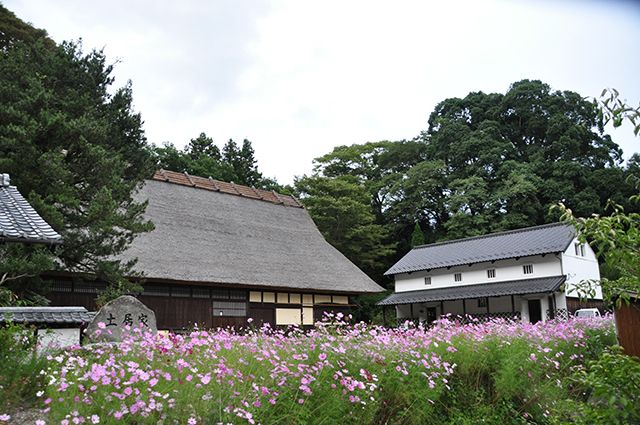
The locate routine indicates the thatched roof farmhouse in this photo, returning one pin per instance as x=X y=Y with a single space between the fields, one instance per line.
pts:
x=222 y=253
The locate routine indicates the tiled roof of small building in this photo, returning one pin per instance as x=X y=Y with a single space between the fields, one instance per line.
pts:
x=19 y=222
x=545 y=239
x=50 y=315
x=225 y=187
x=495 y=289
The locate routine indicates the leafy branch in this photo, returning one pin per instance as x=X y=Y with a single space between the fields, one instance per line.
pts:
x=613 y=109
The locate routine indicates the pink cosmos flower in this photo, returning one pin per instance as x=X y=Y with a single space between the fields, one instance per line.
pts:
x=192 y=421
x=95 y=419
x=206 y=379
x=5 y=418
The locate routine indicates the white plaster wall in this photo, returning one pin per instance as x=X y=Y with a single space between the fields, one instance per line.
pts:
x=561 y=300
x=544 y=304
x=578 y=269
x=58 y=338
x=524 y=310
x=549 y=265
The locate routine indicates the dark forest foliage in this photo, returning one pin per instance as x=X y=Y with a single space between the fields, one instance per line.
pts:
x=202 y=157
x=485 y=163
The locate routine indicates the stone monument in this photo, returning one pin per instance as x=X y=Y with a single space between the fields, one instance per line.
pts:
x=122 y=315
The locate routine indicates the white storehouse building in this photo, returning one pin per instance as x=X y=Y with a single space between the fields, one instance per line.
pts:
x=528 y=273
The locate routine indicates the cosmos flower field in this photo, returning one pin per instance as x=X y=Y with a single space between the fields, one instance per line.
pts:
x=335 y=373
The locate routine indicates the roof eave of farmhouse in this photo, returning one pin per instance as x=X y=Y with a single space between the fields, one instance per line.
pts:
x=162 y=280
x=260 y=287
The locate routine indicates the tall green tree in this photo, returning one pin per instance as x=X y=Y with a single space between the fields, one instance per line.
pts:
x=417 y=237
x=341 y=210
x=202 y=157
x=75 y=148
x=15 y=31
x=510 y=157
x=486 y=163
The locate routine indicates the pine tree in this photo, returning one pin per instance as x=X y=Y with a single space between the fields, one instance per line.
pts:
x=417 y=237
x=74 y=147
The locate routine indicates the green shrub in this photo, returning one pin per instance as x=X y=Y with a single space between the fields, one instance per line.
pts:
x=20 y=366
x=607 y=391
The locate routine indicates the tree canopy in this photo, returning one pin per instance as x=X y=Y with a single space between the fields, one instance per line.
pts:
x=485 y=163
x=74 y=147
x=202 y=157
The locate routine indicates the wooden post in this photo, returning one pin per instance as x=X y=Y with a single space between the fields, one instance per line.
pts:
x=513 y=304
x=441 y=308
x=464 y=306
x=411 y=306
x=488 y=306
x=384 y=315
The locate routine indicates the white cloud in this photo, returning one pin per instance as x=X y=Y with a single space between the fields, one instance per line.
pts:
x=298 y=78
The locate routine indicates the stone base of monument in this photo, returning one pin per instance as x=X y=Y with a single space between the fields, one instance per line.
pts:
x=119 y=317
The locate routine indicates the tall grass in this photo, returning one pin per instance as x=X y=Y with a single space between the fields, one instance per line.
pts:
x=20 y=366
x=496 y=372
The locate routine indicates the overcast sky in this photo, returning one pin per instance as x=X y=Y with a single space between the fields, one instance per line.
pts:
x=299 y=77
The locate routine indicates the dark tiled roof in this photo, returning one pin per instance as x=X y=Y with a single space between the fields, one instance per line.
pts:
x=57 y=315
x=494 y=289
x=19 y=222
x=537 y=240
x=224 y=187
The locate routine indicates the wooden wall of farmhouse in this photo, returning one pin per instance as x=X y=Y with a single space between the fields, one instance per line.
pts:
x=181 y=308
x=73 y=300
x=628 y=326
x=171 y=313
x=177 y=313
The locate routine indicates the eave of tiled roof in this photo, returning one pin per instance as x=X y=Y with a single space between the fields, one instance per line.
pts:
x=494 y=289
x=19 y=222
x=49 y=315
x=185 y=179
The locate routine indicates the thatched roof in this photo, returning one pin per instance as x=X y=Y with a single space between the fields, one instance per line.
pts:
x=208 y=236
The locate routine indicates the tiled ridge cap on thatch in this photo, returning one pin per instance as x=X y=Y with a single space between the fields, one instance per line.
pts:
x=185 y=179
